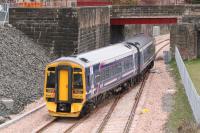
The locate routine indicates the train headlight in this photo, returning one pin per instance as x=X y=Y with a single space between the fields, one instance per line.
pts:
x=50 y=92
x=63 y=107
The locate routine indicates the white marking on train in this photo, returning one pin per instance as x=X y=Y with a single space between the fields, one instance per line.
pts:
x=110 y=82
x=127 y=73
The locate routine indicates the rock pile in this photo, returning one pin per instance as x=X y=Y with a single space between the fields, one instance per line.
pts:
x=22 y=64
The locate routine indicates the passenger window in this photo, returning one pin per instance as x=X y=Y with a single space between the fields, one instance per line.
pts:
x=77 y=81
x=107 y=73
x=97 y=79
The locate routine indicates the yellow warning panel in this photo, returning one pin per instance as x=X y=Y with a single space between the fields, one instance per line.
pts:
x=63 y=85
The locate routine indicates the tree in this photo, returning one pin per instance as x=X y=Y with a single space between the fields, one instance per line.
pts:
x=195 y=1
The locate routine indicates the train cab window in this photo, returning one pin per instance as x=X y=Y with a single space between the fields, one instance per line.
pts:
x=77 y=81
x=51 y=80
x=77 y=70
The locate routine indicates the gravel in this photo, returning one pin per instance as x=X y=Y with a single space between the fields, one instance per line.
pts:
x=22 y=64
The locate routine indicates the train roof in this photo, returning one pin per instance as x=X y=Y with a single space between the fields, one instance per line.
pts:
x=142 y=39
x=109 y=52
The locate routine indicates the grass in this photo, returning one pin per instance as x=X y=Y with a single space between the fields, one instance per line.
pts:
x=193 y=68
x=181 y=110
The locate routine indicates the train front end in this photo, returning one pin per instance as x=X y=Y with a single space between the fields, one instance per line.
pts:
x=64 y=89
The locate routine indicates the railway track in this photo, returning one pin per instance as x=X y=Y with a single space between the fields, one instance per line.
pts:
x=44 y=126
x=76 y=124
x=70 y=129
x=108 y=115
x=114 y=104
x=162 y=42
x=161 y=49
x=134 y=107
x=21 y=117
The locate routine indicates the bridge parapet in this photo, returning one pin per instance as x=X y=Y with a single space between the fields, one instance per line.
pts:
x=135 y=11
x=153 y=11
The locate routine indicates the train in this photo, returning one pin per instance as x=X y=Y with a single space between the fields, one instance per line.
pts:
x=76 y=83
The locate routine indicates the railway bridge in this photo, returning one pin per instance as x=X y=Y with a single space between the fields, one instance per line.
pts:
x=121 y=15
x=184 y=21
x=67 y=31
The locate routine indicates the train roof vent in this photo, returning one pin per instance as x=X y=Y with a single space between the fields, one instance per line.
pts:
x=137 y=43
x=131 y=43
x=73 y=56
x=128 y=46
x=84 y=60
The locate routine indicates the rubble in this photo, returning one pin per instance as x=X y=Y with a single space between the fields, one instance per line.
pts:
x=22 y=64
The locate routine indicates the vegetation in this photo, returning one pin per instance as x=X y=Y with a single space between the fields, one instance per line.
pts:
x=195 y=1
x=193 y=68
x=181 y=111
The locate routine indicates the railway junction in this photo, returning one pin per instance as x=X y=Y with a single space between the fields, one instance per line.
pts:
x=35 y=34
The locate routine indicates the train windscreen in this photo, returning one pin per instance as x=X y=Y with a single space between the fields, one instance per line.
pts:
x=77 y=81
x=51 y=80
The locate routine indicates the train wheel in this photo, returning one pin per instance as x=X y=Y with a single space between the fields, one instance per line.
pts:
x=151 y=65
x=87 y=108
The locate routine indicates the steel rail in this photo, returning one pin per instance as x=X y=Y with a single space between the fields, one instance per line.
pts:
x=133 y=110
x=161 y=42
x=21 y=116
x=108 y=115
x=44 y=126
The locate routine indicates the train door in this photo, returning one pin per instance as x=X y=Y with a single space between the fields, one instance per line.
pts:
x=64 y=84
x=92 y=80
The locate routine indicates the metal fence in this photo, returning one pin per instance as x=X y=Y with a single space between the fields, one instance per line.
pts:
x=193 y=96
x=4 y=10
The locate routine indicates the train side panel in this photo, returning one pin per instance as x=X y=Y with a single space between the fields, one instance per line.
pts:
x=106 y=76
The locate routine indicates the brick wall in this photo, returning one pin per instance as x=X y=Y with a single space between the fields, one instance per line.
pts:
x=64 y=31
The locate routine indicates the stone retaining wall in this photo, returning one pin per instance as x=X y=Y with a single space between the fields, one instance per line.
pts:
x=64 y=31
x=184 y=36
x=94 y=28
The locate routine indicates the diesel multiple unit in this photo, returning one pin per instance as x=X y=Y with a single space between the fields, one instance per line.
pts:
x=72 y=83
